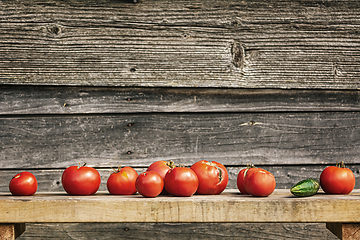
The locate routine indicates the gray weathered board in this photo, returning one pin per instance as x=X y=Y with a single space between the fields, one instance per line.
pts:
x=41 y=134
x=274 y=83
x=187 y=231
x=233 y=139
x=51 y=128
x=213 y=43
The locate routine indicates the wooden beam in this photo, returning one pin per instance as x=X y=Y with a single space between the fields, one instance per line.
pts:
x=179 y=231
x=230 y=206
x=10 y=231
x=345 y=231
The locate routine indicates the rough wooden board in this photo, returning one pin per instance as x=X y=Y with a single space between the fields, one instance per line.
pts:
x=185 y=231
x=350 y=231
x=250 y=44
x=281 y=206
x=95 y=100
x=49 y=180
x=140 y=139
x=11 y=231
x=345 y=231
x=335 y=228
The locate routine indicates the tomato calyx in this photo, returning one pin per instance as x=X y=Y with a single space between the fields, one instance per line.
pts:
x=248 y=167
x=170 y=164
x=84 y=164
x=340 y=164
x=116 y=170
x=180 y=165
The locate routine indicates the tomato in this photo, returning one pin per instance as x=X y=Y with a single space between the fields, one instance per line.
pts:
x=149 y=184
x=240 y=181
x=259 y=182
x=23 y=184
x=181 y=182
x=161 y=167
x=241 y=178
x=337 y=179
x=122 y=181
x=213 y=177
x=81 y=180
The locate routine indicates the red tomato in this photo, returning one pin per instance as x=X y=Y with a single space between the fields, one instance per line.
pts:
x=122 y=181
x=259 y=182
x=213 y=177
x=81 y=180
x=149 y=184
x=337 y=179
x=161 y=167
x=23 y=184
x=240 y=181
x=181 y=182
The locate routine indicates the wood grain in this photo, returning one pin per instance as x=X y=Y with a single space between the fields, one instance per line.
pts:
x=140 y=139
x=345 y=231
x=350 y=231
x=96 y=100
x=247 y=44
x=281 y=206
x=188 y=56
x=11 y=231
x=186 y=231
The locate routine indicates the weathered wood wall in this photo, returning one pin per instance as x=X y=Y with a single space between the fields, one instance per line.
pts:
x=250 y=44
x=112 y=82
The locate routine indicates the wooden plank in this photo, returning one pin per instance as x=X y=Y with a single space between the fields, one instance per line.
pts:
x=85 y=100
x=230 y=206
x=11 y=231
x=247 y=44
x=188 y=231
x=140 y=139
x=345 y=231
x=335 y=228
x=49 y=180
x=350 y=231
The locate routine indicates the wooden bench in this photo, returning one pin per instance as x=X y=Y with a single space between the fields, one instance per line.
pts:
x=339 y=212
x=123 y=82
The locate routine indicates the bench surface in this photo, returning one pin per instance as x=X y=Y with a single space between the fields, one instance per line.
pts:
x=229 y=206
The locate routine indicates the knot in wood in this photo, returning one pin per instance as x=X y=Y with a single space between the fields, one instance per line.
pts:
x=237 y=54
x=54 y=29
